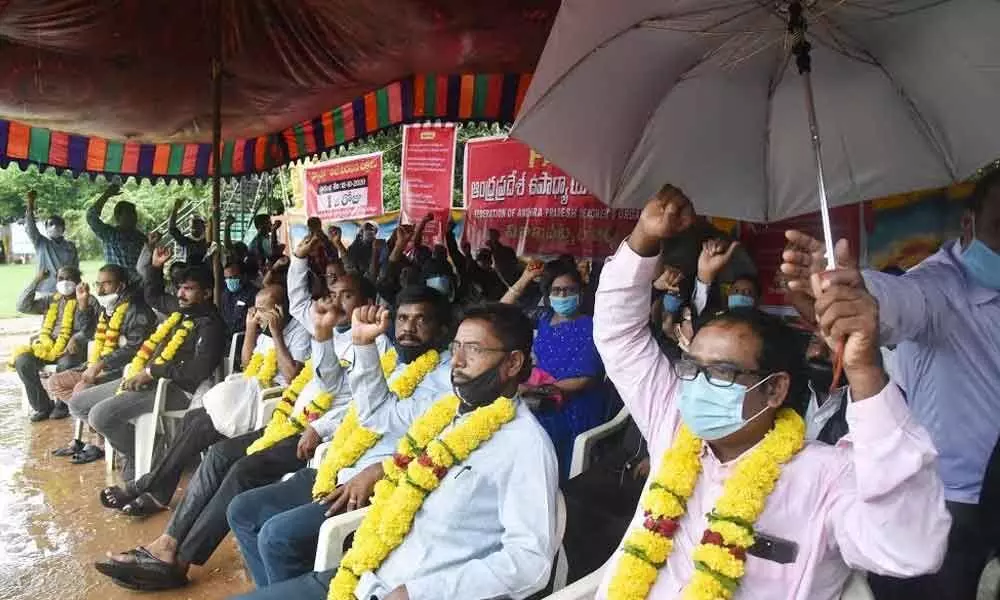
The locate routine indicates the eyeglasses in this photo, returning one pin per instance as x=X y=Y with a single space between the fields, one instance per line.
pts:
x=564 y=291
x=687 y=369
x=472 y=349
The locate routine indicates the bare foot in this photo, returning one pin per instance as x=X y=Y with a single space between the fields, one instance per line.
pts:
x=163 y=548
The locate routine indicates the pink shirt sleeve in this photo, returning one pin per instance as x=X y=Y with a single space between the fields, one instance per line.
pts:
x=888 y=513
x=633 y=360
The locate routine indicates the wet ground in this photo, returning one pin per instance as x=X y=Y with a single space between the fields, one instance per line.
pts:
x=52 y=526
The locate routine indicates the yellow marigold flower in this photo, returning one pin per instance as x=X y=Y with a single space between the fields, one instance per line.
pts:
x=719 y=560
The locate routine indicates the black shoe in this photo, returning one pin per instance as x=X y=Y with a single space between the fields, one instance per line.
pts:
x=39 y=416
x=74 y=447
x=61 y=411
x=88 y=454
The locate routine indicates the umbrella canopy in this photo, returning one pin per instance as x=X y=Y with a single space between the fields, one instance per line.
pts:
x=703 y=94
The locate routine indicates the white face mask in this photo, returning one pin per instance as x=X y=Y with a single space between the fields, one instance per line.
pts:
x=65 y=287
x=107 y=301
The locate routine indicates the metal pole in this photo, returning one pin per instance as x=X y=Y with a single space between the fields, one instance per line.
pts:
x=217 y=154
x=800 y=49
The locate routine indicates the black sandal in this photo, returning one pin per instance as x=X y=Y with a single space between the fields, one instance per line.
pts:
x=89 y=454
x=143 y=505
x=115 y=497
x=144 y=572
x=74 y=448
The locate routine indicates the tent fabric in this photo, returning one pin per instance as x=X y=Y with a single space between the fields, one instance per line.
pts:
x=124 y=86
x=467 y=97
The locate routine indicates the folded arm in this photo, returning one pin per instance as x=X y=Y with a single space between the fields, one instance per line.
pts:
x=888 y=514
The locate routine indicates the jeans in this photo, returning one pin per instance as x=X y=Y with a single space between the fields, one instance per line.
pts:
x=277 y=528
x=27 y=366
x=969 y=548
x=311 y=586
x=196 y=434
x=110 y=412
x=199 y=523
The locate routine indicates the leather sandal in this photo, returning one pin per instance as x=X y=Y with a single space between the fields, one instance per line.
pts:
x=144 y=572
x=89 y=454
x=143 y=505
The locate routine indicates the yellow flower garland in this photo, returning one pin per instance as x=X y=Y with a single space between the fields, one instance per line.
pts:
x=148 y=348
x=44 y=348
x=284 y=423
x=721 y=556
x=263 y=367
x=423 y=458
x=351 y=440
x=107 y=334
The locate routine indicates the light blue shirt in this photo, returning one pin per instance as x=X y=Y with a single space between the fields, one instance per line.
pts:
x=489 y=530
x=947 y=331
x=380 y=411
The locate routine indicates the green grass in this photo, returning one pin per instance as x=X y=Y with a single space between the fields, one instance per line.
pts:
x=14 y=278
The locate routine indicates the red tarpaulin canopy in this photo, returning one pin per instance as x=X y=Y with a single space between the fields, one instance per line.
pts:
x=124 y=86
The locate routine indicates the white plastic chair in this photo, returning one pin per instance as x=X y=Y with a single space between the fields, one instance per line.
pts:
x=583 y=445
x=146 y=428
x=235 y=345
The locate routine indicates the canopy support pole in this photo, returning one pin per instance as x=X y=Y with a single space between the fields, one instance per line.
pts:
x=800 y=49
x=217 y=156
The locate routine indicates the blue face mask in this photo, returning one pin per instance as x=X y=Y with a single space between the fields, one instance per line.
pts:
x=440 y=284
x=982 y=264
x=565 y=305
x=712 y=412
x=233 y=284
x=671 y=303
x=740 y=301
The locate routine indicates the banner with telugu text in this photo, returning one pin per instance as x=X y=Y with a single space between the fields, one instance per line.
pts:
x=427 y=176
x=537 y=208
x=344 y=188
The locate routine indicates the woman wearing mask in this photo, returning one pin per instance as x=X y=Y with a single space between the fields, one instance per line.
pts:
x=568 y=374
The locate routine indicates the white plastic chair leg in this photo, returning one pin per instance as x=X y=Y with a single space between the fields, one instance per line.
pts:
x=145 y=440
x=25 y=404
x=78 y=429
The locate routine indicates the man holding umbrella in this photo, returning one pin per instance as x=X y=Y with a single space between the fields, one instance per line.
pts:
x=944 y=317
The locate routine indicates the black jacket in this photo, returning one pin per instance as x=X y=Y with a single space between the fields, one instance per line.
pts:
x=194 y=362
x=139 y=323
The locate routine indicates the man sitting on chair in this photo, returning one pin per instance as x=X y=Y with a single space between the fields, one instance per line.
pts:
x=125 y=321
x=186 y=348
x=277 y=526
x=315 y=400
x=474 y=514
x=62 y=339
x=274 y=349
x=738 y=503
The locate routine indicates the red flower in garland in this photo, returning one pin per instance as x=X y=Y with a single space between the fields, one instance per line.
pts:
x=401 y=460
x=664 y=526
x=715 y=538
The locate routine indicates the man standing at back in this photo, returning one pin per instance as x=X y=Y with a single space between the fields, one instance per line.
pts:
x=53 y=250
x=122 y=241
x=944 y=317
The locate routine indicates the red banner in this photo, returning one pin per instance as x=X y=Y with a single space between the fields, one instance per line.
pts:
x=765 y=243
x=344 y=188
x=428 y=176
x=537 y=208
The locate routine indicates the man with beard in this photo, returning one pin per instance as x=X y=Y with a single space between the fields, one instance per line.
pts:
x=489 y=529
x=261 y=457
x=277 y=526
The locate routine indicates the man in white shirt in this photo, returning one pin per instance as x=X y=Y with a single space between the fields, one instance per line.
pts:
x=277 y=526
x=489 y=529
x=231 y=467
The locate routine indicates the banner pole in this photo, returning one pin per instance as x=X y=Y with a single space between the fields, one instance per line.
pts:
x=217 y=155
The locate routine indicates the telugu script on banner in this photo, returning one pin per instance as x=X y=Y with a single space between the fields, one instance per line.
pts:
x=537 y=208
x=344 y=188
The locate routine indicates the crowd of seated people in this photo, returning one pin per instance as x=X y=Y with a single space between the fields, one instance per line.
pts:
x=757 y=457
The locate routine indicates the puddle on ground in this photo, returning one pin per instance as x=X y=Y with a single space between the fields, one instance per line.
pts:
x=53 y=528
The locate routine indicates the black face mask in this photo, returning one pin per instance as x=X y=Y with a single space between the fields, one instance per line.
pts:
x=342 y=328
x=821 y=375
x=408 y=354
x=479 y=391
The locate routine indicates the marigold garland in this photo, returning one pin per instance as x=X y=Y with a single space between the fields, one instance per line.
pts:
x=107 y=333
x=44 y=347
x=263 y=367
x=720 y=558
x=173 y=323
x=351 y=440
x=284 y=423
x=423 y=458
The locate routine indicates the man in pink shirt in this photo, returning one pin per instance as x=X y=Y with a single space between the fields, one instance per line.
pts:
x=873 y=502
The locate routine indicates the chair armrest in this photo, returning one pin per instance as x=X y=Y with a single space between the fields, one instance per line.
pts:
x=584 y=443
x=581 y=589
x=317 y=458
x=332 y=536
x=265 y=410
